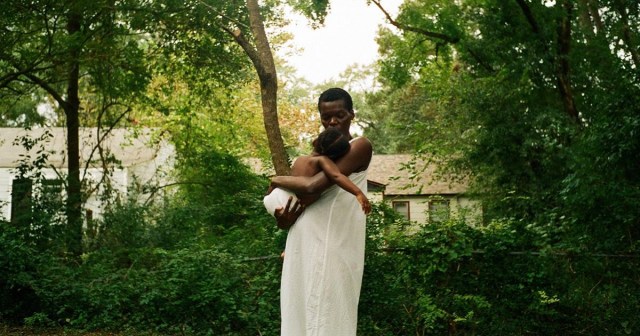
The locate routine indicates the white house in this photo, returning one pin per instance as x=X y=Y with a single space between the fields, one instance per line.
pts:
x=131 y=157
x=415 y=190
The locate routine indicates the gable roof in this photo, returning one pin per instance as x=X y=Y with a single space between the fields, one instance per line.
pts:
x=127 y=146
x=392 y=171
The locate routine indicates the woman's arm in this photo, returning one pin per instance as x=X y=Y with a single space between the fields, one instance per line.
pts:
x=287 y=216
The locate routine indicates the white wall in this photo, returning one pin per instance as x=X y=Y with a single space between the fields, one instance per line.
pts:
x=154 y=167
x=6 y=179
x=119 y=180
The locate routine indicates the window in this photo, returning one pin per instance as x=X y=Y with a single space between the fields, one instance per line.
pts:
x=52 y=189
x=438 y=210
x=402 y=207
x=21 y=191
x=34 y=202
x=52 y=198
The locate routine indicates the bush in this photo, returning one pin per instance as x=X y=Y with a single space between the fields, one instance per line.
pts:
x=18 y=263
x=193 y=291
x=454 y=279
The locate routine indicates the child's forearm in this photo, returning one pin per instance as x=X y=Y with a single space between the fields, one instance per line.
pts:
x=346 y=184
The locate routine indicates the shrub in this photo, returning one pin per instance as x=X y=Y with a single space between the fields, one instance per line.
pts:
x=18 y=262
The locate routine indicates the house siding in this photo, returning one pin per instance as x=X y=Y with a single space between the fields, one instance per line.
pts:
x=119 y=181
x=6 y=180
x=141 y=161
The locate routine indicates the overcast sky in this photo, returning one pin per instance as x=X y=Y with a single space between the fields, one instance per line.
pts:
x=347 y=37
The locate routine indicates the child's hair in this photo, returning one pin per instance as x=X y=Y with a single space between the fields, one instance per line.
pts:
x=332 y=143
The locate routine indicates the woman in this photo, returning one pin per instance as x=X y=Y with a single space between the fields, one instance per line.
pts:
x=322 y=271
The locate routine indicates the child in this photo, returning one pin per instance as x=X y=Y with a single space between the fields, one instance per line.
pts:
x=330 y=145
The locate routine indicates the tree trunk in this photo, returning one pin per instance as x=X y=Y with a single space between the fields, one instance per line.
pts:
x=563 y=71
x=71 y=109
x=266 y=69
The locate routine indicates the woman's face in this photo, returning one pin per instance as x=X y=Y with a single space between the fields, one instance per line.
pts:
x=334 y=114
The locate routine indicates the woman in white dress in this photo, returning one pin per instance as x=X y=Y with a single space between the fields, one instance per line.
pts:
x=324 y=253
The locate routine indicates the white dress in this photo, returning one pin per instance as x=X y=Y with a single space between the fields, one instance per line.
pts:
x=323 y=264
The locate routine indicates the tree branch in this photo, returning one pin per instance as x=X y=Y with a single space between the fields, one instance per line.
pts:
x=98 y=147
x=5 y=80
x=626 y=35
x=248 y=48
x=597 y=19
x=240 y=24
x=45 y=86
x=433 y=35
x=427 y=33
x=564 y=42
x=154 y=190
x=526 y=10
x=480 y=60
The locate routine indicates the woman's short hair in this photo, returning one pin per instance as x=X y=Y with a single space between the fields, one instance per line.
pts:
x=334 y=94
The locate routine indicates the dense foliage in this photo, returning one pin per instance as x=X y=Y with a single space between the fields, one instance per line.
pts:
x=113 y=64
x=454 y=279
x=536 y=100
x=192 y=272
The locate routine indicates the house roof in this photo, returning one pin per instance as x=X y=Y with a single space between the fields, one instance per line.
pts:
x=127 y=146
x=393 y=170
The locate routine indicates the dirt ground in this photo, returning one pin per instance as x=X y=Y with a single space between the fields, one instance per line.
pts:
x=27 y=331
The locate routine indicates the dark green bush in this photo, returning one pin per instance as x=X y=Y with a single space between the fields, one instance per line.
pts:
x=454 y=279
x=18 y=263
x=444 y=279
x=195 y=291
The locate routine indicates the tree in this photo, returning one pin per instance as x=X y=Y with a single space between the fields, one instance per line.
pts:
x=244 y=22
x=528 y=97
x=59 y=47
x=95 y=60
x=262 y=58
x=259 y=51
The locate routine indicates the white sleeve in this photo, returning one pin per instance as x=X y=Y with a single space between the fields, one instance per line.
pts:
x=277 y=199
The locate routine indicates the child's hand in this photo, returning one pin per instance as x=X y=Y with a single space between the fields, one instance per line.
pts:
x=364 y=202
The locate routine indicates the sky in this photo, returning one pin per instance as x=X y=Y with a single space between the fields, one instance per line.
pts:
x=347 y=37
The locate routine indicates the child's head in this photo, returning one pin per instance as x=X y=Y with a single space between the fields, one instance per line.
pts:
x=332 y=143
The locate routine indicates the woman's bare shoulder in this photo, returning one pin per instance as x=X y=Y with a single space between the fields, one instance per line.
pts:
x=358 y=157
x=362 y=146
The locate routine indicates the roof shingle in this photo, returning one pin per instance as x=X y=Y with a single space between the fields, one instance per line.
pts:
x=393 y=171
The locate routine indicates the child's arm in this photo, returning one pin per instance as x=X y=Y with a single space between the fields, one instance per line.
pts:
x=333 y=173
